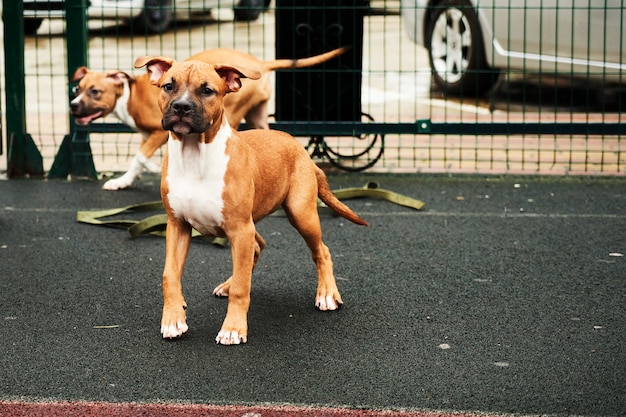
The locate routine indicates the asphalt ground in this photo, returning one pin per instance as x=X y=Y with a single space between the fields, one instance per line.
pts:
x=503 y=296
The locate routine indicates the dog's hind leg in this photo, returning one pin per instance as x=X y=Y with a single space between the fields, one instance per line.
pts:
x=307 y=223
x=223 y=289
x=257 y=116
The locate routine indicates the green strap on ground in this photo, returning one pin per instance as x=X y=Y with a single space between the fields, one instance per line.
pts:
x=155 y=225
x=371 y=190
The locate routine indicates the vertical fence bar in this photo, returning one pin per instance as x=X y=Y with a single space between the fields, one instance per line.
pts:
x=74 y=157
x=23 y=156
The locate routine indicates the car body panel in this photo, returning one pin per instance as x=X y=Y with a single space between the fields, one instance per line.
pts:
x=568 y=37
x=122 y=9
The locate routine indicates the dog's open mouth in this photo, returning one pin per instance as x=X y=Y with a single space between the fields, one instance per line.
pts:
x=85 y=120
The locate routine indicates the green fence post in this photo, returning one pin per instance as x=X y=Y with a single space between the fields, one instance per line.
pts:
x=74 y=156
x=23 y=156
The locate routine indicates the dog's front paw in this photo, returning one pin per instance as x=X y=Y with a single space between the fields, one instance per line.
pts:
x=328 y=302
x=234 y=330
x=173 y=323
x=230 y=337
x=117 y=183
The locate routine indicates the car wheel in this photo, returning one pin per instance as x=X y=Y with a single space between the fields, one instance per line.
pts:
x=249 y=10
x=31 y=26
x=156 y=17
x=457 y=51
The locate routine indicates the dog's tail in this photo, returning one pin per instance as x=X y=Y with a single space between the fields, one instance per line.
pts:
x=326 y=195
x=303 y=62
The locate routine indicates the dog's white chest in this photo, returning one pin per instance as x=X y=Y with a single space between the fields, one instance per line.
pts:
x=196 y=181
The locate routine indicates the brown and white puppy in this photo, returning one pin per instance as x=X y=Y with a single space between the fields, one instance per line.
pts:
x=222 y=182
x=133 y=100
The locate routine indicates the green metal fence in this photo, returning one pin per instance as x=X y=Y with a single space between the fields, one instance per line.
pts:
x=452 y=86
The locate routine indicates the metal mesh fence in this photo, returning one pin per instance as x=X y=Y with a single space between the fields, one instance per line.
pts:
x=428 y=84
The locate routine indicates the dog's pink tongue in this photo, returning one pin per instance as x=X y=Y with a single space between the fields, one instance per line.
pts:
x=84 y=121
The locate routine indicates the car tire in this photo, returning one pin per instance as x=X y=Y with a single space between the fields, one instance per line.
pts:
x=156 y=17
x=31 y=26
x=456 y=50
x=249 y=10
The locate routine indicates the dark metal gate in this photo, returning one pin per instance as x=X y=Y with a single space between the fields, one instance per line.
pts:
x=330 y=101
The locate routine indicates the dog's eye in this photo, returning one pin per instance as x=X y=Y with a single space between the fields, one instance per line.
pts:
x=95 y=93
x=75 y=90
x=168 y=87
x=207 y=91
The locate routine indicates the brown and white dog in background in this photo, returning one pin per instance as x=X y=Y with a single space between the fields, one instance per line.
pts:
x=133 y=100
x=221 y=182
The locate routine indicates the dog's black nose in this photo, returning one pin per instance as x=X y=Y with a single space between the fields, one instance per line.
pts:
x=181 y=106
x=74 y=106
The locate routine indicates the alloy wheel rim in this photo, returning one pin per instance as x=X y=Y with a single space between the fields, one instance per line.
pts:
x=450 y=45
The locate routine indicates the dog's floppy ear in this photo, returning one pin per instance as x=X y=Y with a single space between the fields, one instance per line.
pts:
x=156 y=66
x=118 y=76
x=80 y=73
x=232 y=76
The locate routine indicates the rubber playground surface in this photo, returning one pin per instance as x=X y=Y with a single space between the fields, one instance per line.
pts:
x=502 y=296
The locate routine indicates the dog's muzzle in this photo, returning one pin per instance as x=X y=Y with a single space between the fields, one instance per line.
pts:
x=83 y=116
x=182 y=116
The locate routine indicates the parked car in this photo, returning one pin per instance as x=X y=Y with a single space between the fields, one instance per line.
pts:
x=154 y=16
x=468 y=41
